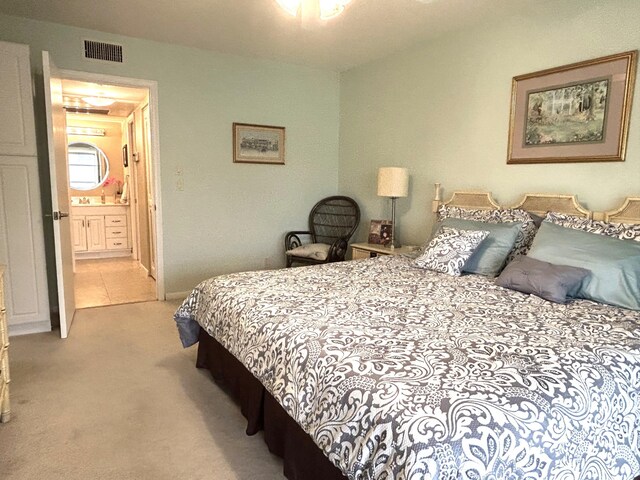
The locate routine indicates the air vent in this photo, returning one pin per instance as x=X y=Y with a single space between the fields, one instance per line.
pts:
x=103 y=51
x=96 y=111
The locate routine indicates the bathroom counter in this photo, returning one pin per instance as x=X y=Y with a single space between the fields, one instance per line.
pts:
x=100 y=209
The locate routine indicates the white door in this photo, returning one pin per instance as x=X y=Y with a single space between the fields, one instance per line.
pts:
x=57 y=142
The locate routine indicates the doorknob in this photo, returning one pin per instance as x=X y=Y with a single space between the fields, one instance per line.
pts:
x=59 y=215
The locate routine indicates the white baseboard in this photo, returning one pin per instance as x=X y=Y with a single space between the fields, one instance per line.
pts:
x=177 y=295
x=28 y=328
x=103 y=254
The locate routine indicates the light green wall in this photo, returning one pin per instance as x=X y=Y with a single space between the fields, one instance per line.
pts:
x=230 y=217
x=442 y=110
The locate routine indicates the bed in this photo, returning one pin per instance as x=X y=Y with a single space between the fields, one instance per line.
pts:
x=378 y=369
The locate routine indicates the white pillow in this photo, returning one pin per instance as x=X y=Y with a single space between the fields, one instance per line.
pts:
x=449 y=251
x=316 y=251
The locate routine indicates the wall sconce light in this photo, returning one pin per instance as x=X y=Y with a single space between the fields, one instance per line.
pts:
x=94 y=132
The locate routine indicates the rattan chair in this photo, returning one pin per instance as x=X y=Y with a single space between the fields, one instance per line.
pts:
x=332 y=222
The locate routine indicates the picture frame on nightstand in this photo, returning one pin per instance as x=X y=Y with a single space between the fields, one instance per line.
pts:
x=380 y=232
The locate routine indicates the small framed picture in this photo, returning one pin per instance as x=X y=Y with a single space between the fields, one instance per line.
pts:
x=258 y=144
x=125 y=156
x=380 y=232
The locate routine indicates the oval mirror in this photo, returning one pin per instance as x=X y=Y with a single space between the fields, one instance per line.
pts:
x=88 y=166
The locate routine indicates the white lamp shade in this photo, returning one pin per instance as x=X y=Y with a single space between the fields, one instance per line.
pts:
x=393 y=182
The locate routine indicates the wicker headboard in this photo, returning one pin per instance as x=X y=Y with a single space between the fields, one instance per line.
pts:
x=629 y=212
x=540 y=204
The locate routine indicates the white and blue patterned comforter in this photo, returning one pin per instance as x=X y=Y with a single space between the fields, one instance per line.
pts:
x=401 y=373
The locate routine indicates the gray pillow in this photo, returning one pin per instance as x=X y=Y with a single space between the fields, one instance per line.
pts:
x=537 y=219
x=491 y=255
x=527 y=230
x=623 y=231
x=614 y=263
x=543 y=279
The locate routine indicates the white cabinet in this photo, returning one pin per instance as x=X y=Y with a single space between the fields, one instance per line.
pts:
x=79 y=234
x=17 y=130
x=96 y=239
x=21 y=227
x=116 y=232
x=95 y=235
x=372 y=250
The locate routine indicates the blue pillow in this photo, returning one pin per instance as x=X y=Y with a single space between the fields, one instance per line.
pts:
x=614 y=263
x=490 y=257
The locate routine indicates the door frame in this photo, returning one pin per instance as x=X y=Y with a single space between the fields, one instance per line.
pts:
x=152 y=87
x=129 y=128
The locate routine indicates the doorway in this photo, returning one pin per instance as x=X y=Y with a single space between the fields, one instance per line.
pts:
x=111 y=157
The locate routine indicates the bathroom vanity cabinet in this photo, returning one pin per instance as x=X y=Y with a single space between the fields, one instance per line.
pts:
x=100 y=231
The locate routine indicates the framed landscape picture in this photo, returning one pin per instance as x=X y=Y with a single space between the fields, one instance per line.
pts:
x=380 y=232
x=258 y=144
x=575 y=113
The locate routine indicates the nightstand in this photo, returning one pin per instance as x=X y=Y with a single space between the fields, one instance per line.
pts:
x=368 y=250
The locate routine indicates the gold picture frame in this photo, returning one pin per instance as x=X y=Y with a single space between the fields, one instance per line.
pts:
x=258 y=144
x=574 y=113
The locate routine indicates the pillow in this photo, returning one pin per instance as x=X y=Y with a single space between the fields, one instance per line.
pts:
x=449 y=251
x=316 y=251
x=623 y=231
x=537 y=219
x=527 y=230
x=543 y=279
x=614 y=263
x=491 y=255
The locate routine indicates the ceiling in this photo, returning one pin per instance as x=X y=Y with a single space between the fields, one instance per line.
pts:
x=366 y=31
x=126 y=99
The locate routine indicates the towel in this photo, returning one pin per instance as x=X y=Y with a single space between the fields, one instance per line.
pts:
x=125 y=193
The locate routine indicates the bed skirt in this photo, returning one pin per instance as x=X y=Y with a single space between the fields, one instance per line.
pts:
x=302 y=458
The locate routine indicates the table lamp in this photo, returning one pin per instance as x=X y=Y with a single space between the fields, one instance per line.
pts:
x=393 y=182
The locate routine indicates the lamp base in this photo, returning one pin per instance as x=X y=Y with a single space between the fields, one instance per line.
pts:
x=394 y=240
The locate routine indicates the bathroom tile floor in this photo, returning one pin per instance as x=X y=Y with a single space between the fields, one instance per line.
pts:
x=112 y=281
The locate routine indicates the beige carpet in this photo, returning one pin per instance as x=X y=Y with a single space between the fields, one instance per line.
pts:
x=121 y=399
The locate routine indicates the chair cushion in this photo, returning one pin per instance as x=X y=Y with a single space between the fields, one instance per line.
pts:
x=316 y=251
